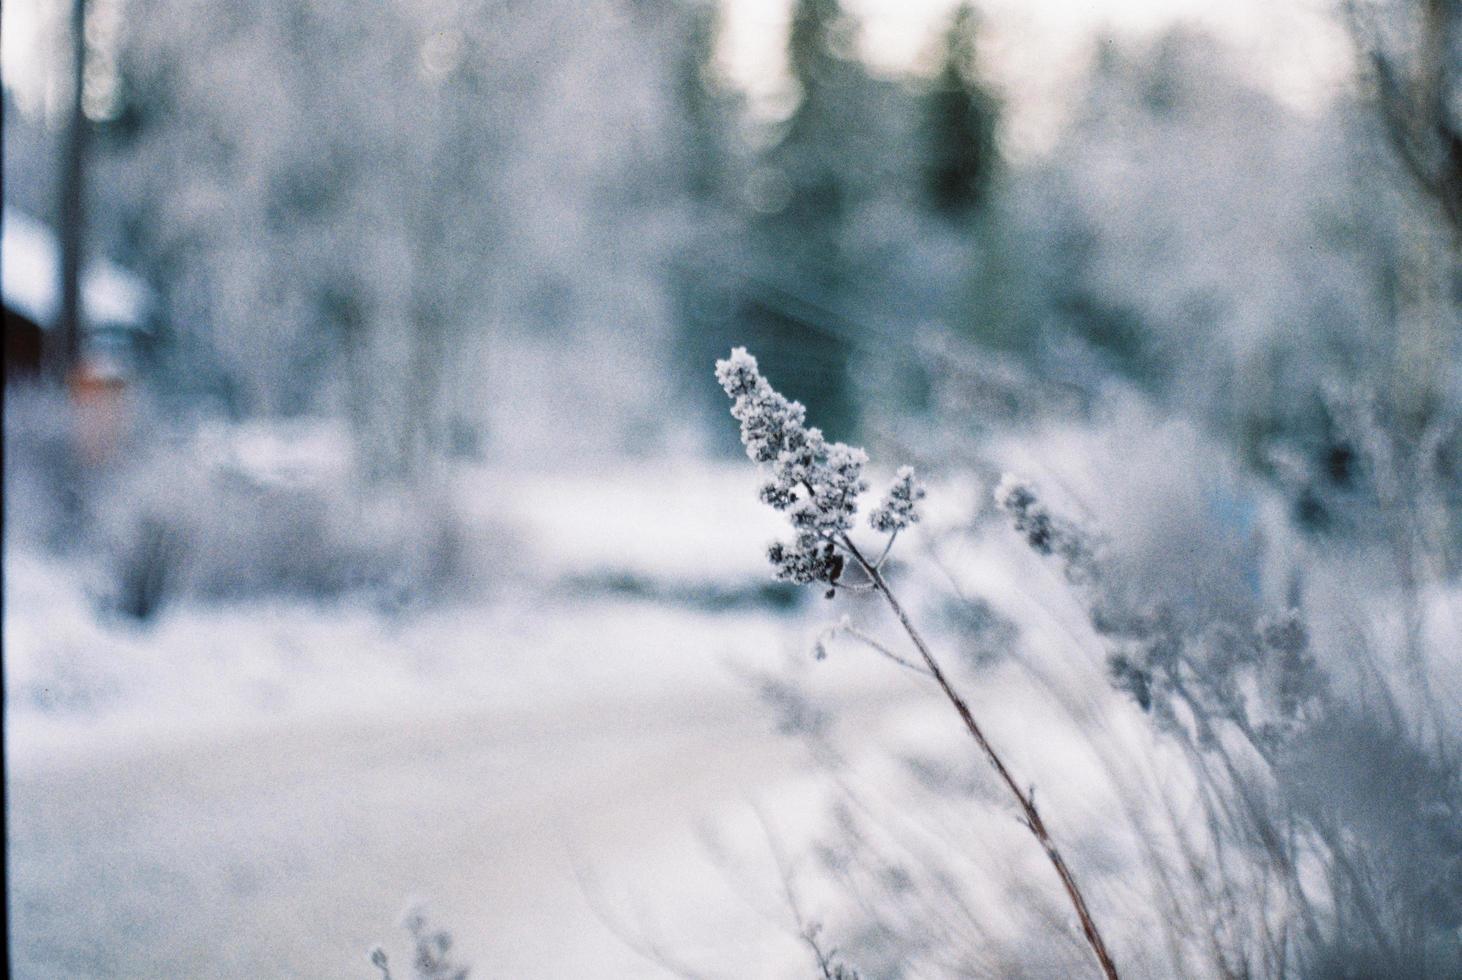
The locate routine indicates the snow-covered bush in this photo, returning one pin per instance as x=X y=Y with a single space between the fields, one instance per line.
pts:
x=1305 y=818
x=224 y=538
x=817 y=484
x=1327 y=811
x=222 y=514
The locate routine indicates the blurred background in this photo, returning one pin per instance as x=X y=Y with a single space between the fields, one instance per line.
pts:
x=374 y=526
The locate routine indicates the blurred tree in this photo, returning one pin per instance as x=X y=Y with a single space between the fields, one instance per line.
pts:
x=1179 y=180
x=960 y=120
x=1413 y=50
x=705 y=107
x=962 y=165
x=341 y=210
x=795 y=300
x=1272 y=274
x=709 y=161
x=1411 y=54
x=812 y=156
x=67 y=347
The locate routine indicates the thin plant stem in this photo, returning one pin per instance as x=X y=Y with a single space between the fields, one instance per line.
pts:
x=886 y=549
x=854 y=633
x=1032 y=817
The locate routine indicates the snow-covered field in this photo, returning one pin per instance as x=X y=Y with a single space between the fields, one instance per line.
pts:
x=577 y=767
x=268 y=840
x=584 y=767
x=257 y=789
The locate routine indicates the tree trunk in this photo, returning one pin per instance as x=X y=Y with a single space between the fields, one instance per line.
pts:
x=66 y=343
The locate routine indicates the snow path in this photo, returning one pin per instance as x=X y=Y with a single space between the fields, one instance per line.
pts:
x=257 y=791
x=289 y=852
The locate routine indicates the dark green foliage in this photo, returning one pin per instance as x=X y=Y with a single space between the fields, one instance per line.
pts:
x=813 y=156
x=704 y=108
x=960 y=121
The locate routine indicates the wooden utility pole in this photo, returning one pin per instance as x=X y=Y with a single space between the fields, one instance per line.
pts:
x=66 y=344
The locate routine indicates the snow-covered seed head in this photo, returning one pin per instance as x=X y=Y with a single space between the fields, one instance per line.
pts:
x=772 y=428
x=809 y=559
x=899 y=508
x=1030 y=517
x=814 y=482
x=1049 y=533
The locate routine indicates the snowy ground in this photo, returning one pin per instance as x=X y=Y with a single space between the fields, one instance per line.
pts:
x=284 y=845
x=257 y=790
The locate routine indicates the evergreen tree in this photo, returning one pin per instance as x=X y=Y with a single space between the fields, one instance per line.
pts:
x=794 y=303
x=960 y=118
x=704 y=108
x=812 y=155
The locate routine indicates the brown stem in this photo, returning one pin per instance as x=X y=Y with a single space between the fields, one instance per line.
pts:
x=1032 y=821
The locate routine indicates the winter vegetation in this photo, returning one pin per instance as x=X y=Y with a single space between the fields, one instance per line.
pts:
x=373 y=526
x=818 y=484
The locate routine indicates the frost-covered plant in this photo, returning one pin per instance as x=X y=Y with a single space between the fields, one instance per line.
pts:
x=817 y=484
x=1046 y=532
x=830 y=965
x=898 y=509
x=431 y=949
x=1257 y=675
x=1289 y=771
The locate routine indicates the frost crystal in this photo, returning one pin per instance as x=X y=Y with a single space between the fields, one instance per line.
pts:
x=816 y=483
x=898 y=509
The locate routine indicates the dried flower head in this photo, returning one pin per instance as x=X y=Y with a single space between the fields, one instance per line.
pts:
x=899 y=508
x=1046 y=532
x=432 y=949
x=379 y=961
x=816 y=483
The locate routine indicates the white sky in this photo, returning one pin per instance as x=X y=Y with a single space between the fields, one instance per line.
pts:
x=1035 y=50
